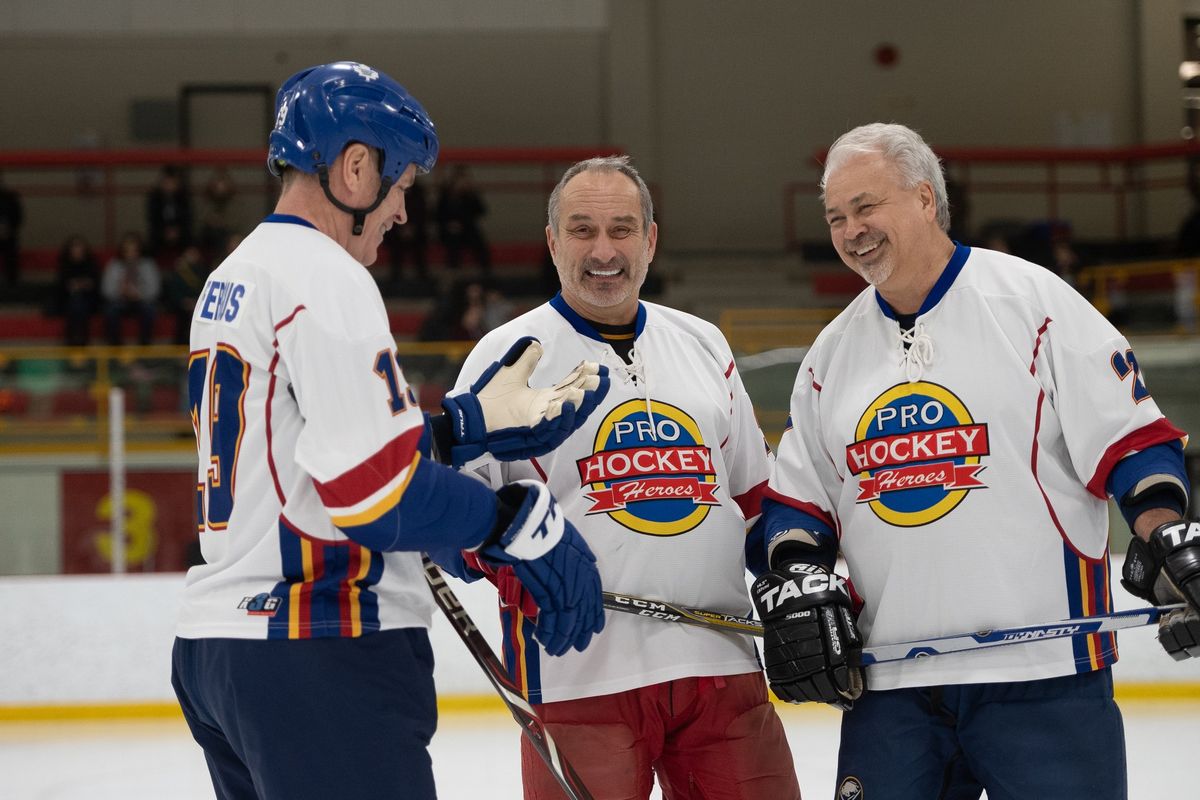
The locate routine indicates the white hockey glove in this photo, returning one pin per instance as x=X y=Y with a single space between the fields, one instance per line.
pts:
x=1166 y=569
x=504 y=416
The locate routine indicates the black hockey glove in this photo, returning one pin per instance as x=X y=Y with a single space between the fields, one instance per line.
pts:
x=811 y=644
x=1166 y=569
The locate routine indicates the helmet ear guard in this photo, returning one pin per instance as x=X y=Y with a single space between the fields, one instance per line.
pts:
x=359 y=214
x=319 y=111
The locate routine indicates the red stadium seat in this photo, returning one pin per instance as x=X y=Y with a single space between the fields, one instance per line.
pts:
x=13 y=402
x=165 y=399
x=74 y=402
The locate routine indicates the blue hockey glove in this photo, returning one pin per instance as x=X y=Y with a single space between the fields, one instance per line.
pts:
x=504 y=416
x=552 y=562
x=1165 y=570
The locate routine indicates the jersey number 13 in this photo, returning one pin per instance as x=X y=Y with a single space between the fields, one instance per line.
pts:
x=224 y=380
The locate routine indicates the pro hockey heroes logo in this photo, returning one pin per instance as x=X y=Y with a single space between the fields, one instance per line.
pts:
x=917 y=454
x=652 y=475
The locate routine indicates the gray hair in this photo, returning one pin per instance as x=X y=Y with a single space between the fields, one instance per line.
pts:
x=601 y=164
x=901 y=146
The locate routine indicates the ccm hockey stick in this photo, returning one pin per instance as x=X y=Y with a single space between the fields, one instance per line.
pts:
x=525 y=716
x=901 y=651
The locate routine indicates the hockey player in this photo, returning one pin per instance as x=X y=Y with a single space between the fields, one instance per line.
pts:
x=302 y=663
x=662 y=481
x=955 y=433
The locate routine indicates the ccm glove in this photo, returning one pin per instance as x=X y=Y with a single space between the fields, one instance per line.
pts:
x=504 y=416
x=1166 y=569
x=552 y=562
x=811 y=645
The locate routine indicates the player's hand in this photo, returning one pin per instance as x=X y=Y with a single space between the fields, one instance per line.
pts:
x=553 y=564
x=504 y=416
x=810 y=641
x=1166 y=569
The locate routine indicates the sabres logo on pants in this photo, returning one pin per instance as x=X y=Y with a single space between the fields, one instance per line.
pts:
x=850 y=789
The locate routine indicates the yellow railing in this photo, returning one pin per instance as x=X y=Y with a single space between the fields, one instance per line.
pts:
x=755 y=330
x=1103 y=283
x=55 y=399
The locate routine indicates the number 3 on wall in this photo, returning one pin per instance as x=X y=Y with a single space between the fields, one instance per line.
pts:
x=225 y=382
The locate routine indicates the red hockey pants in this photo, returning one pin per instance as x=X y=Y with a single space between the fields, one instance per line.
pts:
x=713 y=738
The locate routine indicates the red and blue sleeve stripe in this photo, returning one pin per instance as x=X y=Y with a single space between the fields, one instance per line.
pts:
x=327 y=587
x=521 y=652
x=750 y=501
x=397 y=500
x=365 y=494
x=1159 y=432
x=1089 y=593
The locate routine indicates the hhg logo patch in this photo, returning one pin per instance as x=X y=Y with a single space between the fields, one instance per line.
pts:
x=261 y=605
x=917 y=453
x=654 y=475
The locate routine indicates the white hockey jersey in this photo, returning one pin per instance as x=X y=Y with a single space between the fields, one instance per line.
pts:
x=302 y=419
x=965 y=475
x=662 y=481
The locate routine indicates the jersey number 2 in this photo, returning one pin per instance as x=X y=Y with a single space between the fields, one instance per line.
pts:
x=1125 y=365
x=225 y=381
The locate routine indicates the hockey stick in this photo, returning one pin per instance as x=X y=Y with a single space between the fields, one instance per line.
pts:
x=669 y=612
x=901 y=651
x=525 y=716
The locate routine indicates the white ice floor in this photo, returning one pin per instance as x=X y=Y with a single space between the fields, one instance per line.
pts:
x=475 y=756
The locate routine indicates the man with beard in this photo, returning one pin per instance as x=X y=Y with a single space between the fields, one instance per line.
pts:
x=662 y=481
x=956 y=434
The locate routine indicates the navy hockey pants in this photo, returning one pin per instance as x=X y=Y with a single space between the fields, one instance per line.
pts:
x=311 y=718
x=1058 y=738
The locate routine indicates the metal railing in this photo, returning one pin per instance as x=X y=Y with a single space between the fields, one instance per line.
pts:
x=99 y=192
x=754 y=330
x=1108 y=287
x=55 y=399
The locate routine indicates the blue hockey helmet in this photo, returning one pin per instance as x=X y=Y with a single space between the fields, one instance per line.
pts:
x=320 y=110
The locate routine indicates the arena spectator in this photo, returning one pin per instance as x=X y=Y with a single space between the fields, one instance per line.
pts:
x=409 y=243
x=168 y=214
x=11 y=217
x=216 y=217
x=181 y=287
x=130 y=286
x=459 y=212
x=77 y=289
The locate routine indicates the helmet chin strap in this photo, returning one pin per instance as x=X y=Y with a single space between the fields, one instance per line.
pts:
x=359 y=214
